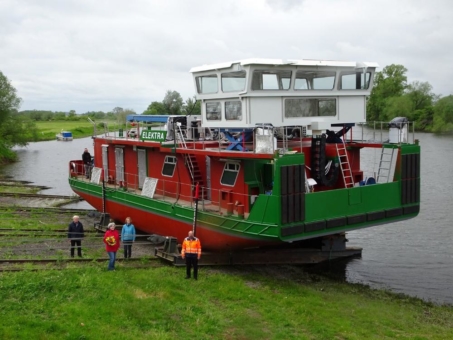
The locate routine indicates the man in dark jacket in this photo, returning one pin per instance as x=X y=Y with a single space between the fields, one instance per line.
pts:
x=86 y=158
x=75 y=235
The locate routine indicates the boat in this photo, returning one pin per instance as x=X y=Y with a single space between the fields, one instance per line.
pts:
x=64 y=136
x=281 y=154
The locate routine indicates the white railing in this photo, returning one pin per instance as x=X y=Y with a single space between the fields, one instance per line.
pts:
x=378 y=132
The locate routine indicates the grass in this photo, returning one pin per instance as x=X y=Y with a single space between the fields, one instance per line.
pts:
x=19 y=189
x=84 y=301
x=79 y=128
x=35 y=219
x=237 y=303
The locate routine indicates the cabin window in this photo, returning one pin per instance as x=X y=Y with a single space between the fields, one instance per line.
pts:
x=230 y=173
x=233 y=81
x=207 y=84
x=271 y=80
x=355 y=81
x=310 y=107
x=213 y=111
x=314 y=80
x=169 y=166
x=233 y=110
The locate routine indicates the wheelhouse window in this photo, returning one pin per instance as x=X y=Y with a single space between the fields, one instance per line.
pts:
x=230 y=173
x=233 y=81
x=233 y=110
x=169 y=166
x=207 y=84
x=213 y=111
x=271 y=80
x=355 y=81
x=310 y=107
x=314 y=80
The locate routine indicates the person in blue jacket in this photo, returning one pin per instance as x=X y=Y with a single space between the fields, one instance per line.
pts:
x=128 y=237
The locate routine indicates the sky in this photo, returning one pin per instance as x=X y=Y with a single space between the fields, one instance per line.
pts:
x=87 y=55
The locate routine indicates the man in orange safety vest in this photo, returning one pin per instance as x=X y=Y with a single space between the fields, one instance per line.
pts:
x=191 y=252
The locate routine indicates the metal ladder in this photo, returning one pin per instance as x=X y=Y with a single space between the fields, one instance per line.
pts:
x=187 y=158
x=385 y=165
x=345 y=166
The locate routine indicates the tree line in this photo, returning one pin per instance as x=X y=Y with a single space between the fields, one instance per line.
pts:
x=172 y=104
x=390 y=97
x=393 y=97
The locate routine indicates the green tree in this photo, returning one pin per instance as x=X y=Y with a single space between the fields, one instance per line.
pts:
x=192 y=106
x=421 y=95
x=173 y=102
x=155 y=108
x=122 y=116
x=14 y=128
x=443 y=115
x=9 y=101
x=391 y=82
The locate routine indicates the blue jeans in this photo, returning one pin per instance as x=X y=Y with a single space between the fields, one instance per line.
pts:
x=112 y=257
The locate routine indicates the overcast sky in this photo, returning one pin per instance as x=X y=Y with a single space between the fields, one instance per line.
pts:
x=88 y=55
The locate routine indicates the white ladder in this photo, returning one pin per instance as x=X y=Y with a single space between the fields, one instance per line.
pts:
x=385 y=165
x=188 y=160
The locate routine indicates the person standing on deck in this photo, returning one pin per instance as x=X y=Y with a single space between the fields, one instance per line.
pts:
x=128 y=237
x=86 y=158
x=112 y=244
x=75 y=235
x=191 y=251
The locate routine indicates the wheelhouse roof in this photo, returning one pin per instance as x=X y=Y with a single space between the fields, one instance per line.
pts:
x=148 y=118
x=281 y=62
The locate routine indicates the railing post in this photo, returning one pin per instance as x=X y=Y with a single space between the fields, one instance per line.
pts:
x=381 y=133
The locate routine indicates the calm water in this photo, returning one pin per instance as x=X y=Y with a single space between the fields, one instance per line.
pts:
x=46 y=163
x=414 y=257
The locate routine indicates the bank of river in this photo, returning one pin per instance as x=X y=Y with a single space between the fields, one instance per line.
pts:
x=413 y=257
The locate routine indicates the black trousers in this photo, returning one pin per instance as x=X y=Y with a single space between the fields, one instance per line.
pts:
x=192 y=261
x=127 y=249
x=79 y=247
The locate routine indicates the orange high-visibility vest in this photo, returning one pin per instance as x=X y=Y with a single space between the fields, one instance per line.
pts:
x=191 y=246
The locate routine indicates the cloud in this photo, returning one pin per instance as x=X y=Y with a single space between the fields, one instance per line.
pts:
x=96 y=55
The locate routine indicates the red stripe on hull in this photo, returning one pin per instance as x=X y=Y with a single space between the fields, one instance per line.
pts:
x=165 y=226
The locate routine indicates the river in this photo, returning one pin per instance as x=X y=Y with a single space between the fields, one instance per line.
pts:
x=413 y=257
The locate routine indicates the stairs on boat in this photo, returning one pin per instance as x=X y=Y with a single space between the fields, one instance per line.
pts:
x=191 y=163
x=345 y=166
x=385 y=165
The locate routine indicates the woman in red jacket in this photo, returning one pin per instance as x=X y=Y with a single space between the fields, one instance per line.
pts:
x=112 y=243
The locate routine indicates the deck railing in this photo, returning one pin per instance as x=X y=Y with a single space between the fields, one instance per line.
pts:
x=214 y=200
x=379 y=132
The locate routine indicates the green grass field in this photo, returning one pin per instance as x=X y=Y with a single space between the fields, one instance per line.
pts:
x=79 y=129
x=232 y=303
